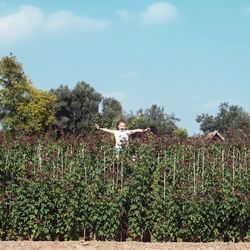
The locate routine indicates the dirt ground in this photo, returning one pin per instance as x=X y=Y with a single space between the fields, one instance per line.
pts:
x=93 y=245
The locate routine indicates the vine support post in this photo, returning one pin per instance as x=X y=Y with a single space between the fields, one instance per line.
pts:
x=84 y=233
x=117 y=173
x=39 y=156
x=223 y=164
x=198 y=163
x=164 y=183
x=113 y=175
x=203 y=167
x=233 y=167
x=174 y=169
x=121 y=175
x=62 y=162
x=194 y=176
x=104 y=164
x=240 y=164
x=54 y=167
x=245 y=160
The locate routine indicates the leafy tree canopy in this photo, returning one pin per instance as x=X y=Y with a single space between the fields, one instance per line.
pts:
x=155 y=118
x=230 y=119
x=76 y=109
x=23 y=108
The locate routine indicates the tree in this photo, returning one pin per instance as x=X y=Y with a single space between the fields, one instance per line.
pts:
x=13 y=86
x=63 y=108
x=23 y=108
x=207 y=123
x=37 y=114
x=111 y=111
x=231 y=120
x=181 y=133
x=76 y=109
x=155 y=118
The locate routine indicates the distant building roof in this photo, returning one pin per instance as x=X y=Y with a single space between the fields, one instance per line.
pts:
x=214 y=136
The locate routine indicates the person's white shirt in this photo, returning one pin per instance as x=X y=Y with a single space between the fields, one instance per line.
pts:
x=122 y=138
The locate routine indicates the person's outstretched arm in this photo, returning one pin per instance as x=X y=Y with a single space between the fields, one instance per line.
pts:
x=139 y=130
x=104 y=129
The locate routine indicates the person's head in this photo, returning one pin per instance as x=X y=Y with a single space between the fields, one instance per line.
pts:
x=121 y=125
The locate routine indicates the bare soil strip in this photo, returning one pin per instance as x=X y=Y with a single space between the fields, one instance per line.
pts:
x=93 y=245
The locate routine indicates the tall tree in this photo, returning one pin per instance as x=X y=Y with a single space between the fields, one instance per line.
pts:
x=13 y=86
x=155 y=118
x=63 y=108
x=36 y=115
x=76 y=109
x=23 y=108
x=111 y=111
x=230 y=119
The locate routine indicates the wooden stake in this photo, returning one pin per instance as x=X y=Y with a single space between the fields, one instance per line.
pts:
x=164 y=183
x=39 y=156
x=223 y=164
x=174 y=169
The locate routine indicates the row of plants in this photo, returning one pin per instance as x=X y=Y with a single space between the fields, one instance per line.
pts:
x=76 y=189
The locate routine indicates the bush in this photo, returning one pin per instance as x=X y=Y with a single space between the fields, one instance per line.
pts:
x=74 y=188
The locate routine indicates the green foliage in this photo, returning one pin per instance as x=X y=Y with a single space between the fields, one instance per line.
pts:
x=37 y=114
x=155 y=118
x=231 y=120
x=111 y=112
x=76 y=109
x=140 y=199
x=23 y=109
x=181 y=133
x=74 y=189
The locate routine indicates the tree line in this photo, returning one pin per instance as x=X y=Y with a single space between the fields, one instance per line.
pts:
x=27 y=110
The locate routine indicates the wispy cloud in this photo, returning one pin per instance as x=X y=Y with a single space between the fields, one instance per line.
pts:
x=246 y=11
x=20 y=25
x=63 y=21
x=158 y=13
x=30 y=19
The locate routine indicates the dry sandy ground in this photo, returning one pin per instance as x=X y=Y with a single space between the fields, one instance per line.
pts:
x=93 y=245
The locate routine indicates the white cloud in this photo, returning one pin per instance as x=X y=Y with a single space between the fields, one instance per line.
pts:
x=120 y=96
x=62 y=21
x=158 y=13
x=246 y=11
x=29 y=20
x=20 y=25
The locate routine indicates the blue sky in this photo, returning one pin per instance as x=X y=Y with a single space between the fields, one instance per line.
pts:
x=188 y=56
